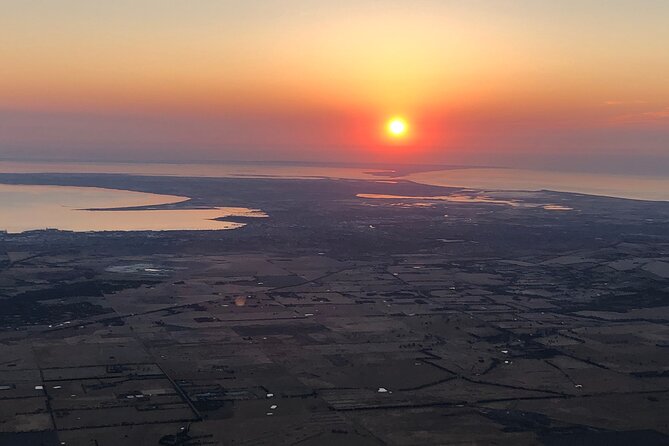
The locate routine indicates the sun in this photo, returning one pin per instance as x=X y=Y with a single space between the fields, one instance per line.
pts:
x=397 y=127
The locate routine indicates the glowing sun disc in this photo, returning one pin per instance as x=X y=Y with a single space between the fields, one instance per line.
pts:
x=397 y=127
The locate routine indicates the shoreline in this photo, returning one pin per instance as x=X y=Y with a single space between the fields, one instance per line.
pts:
x=500 y=179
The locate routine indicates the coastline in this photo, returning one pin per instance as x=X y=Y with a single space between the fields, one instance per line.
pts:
x=634 y=187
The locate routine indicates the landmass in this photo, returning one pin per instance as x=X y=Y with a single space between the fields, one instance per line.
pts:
x=506 y=318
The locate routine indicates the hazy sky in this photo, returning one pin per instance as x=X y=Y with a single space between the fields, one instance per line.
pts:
x=571 y=83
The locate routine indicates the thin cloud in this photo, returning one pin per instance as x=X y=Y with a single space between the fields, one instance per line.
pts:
x=652 y=116
x=616 y=103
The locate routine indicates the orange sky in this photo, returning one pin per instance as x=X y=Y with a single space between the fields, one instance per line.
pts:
x=480 y=81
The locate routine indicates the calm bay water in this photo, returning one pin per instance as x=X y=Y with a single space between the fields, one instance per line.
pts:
x=231 y=170
x=622 y=186
x=24 y=208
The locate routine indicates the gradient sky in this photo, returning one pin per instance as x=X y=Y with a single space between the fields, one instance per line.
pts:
x=578 y=84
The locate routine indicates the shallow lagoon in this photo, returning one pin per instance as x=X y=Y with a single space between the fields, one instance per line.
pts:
x=25 y=208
